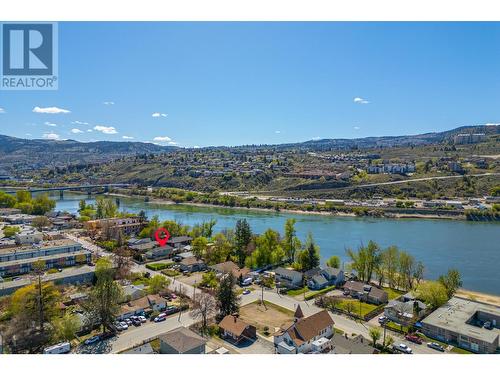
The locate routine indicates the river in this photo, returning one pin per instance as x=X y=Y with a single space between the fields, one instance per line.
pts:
x=471 y=247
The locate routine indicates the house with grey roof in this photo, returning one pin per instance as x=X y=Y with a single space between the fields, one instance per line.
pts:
x=288 y=278
x=182 y=341
x=335 y=276
x=317 y=282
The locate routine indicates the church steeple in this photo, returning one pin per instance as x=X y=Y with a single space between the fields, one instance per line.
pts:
x=298 y=313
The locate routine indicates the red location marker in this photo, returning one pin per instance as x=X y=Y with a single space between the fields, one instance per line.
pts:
x=162 y=240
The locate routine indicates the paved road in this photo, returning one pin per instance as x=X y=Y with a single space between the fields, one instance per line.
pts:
x=136 y=335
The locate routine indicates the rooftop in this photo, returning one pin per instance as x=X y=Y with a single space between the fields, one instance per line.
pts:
x=44 y=258
x=41 y=245
x=182 y=339
x=455 y=314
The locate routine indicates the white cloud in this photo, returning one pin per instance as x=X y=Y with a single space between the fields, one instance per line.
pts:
x=50 y=124
x=492 y=124
x=108 y=103
x=50 y=110
x=162 y=139
x=28 y=134
x=2 y=110
x=360 y=100
x=105 y=129
x=79 y=123
x=357 y=128
x=127 y=137
x=52 y=136
x=76 y=131
x=89 y=130
x=277 y=131
x=196 y=146
x=172 y=143
x=158 y=114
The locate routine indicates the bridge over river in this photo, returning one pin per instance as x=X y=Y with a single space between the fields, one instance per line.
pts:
x=61 y=189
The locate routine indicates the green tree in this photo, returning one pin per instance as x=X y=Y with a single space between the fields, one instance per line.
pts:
x=242 y=238
x=290 y=241
x=102 y=305
x=226 y=296
x=433 y=293
x=390 y=264
x=209 y=280
x=451 y=281
x=37 y=302
x=23 y=196
x=199 y=246
x=40 y=222
x=7 y=200
x=42 y=204
x=157 y=283
x=11 y=230
x=106 y=208
x=333 y=261
x=66 y=327
x=309 y=258
x=495 y=191
x=375 y=335
x=268 y=250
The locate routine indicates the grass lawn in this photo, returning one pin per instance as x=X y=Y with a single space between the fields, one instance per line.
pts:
x=460 y=351
x=268 y=315
x=365 y=307
x=316 y=293
x=393 y=293
x=297 y=292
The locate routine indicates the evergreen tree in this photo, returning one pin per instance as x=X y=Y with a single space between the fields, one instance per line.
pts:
x=227 y=299
x=242 y=236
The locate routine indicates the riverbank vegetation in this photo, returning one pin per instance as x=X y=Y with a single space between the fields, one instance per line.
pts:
x=23 y=201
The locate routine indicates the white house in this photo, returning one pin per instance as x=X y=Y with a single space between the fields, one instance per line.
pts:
x=288 y=278
x=303 y=334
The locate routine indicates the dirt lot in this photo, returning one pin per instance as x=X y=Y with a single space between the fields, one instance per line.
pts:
x=192 y=279
x=270 y=316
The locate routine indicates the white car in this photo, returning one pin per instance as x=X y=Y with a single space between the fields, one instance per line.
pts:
x=124 y=325
x=142 y=319
x=403 y=348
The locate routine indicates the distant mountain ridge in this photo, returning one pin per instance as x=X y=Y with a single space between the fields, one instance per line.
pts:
x=35 y=153
x=387 y=141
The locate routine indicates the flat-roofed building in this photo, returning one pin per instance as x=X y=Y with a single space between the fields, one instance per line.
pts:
x=462 y=322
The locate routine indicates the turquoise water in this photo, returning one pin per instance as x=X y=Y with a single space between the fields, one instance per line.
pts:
x=471 y=247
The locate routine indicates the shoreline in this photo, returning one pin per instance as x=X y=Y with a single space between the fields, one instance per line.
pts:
x=290 y=211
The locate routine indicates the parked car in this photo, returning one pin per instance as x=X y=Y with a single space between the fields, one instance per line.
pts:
x=128 y=321
x=171 y=310
x=246 y=291
x=173 y=296
x=346 y=292
x=414 y=338
x=92 y=340
x=160 y=318
x=118 y=326
x=142 y=319
x=488 y=325
x=382 y=320
x=435 y=346
x=403 y=348
x=124 y=325
x=136 y=322
x=61 y=348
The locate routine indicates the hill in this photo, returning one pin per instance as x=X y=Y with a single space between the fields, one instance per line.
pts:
x=37 y=153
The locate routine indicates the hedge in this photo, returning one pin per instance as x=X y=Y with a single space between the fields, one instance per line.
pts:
x=157 y=266
x=316 y=293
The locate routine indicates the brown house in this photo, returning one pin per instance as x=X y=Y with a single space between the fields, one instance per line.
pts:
x=235 y=330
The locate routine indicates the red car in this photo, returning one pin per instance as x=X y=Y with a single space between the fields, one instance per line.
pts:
x=414 y=338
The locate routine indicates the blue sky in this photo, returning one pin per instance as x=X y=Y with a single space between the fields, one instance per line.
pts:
x=245 y=83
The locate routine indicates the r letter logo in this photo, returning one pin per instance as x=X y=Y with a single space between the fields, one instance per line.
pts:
x=29 y=56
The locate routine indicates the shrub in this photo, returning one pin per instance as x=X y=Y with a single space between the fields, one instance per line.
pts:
x=316 y=293
x=157 y=266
